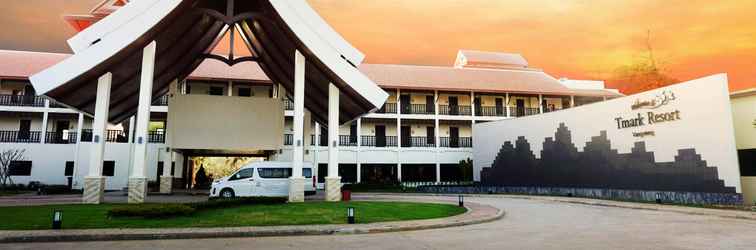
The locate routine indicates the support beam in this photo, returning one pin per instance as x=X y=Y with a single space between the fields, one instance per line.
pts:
x=166 y=179
x=359 y=172
x=77 y=162
x=296 y=181
x=506 y=105
x=572 y=101
x=94 y=183
x=45 y=116
x=438 y=172
x=138 y=178
x=540 y=103
x=333 y=181
x=399 y=172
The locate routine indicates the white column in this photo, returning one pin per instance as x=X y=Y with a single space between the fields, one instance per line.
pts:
x=79 y=125
x=166 y=179
x=359 y=172
x=506 y=104
x=230 y=88
x=94 y=183
x=296 y=182
x=572 y=101
x=472 y=105
x=399 y=172
x=43 y=134
x=540 y=103
x=438 y=172
x=138 y=178
x=333 y=181
x=604 y=98
x=359 y=149
x=316 y=149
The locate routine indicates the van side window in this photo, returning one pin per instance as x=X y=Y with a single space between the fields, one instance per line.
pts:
x=243 y=174
x=274 y=173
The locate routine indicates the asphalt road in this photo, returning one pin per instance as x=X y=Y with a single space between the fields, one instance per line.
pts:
x=528 y=224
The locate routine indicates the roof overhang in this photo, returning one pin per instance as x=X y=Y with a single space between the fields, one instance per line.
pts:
x=186 y=31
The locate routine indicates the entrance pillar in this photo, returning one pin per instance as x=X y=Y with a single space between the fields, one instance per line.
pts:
x=166 y=179
x=296 y=181
x=333 y=180
x=138 y=178
x=94 y=182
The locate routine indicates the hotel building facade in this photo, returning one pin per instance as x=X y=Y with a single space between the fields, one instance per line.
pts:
x=420 y=135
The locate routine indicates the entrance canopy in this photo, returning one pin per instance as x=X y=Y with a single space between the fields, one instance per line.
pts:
x=186 y=31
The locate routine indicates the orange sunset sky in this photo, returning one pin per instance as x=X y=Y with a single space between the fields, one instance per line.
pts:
x=582 y=39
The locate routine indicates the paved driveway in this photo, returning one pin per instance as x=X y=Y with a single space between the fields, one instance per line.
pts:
x=529 y=224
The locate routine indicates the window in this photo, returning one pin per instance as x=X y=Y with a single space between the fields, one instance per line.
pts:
x=307 y=172
x=274 y=173
x=243 y=174
x=20 y=168
x=69 y=168
x=245 y=92
x=215 y=90
x=108 y=168
x=188 y=88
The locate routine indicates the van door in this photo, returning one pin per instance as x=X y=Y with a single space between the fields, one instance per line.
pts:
x=243 y=182
x=273 y=181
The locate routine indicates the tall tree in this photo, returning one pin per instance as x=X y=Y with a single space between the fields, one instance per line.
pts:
x=7 y=158
x=645 y=73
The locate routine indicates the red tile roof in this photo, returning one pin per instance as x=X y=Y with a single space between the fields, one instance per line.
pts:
x=22 y=64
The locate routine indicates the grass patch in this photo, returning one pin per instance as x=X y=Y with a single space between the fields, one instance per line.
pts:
x=309 y=213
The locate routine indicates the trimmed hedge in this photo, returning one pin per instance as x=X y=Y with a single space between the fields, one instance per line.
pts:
x=173 y=210
x=151 y=210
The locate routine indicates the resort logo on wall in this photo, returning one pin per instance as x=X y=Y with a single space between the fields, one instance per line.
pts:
x=648 y=118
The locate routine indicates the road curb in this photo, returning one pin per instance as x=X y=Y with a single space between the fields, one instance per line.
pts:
x=236 y=232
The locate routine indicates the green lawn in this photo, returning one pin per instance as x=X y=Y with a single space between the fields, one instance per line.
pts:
x=94 y=216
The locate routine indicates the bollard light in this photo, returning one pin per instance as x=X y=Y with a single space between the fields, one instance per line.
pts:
x=658 y=198
x=350 y=215
x=461 y=201
x=57 y=219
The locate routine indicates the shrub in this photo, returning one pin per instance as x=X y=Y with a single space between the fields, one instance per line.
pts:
x=56 y=189
x=151 y=210
x=218 y=203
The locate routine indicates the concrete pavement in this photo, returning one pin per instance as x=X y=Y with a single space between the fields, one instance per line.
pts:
x=529 y=224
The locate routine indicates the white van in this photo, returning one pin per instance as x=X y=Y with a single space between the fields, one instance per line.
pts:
x=262 y=179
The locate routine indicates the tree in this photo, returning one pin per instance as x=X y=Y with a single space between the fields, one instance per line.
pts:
x=466 y=169
x=645 y=73
x=7 y=158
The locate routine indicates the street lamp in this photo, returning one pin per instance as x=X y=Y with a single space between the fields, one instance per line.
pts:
x=350 y=215
x=57 y=219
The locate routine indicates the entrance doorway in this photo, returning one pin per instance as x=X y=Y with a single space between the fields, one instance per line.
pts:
x=454 y=137
x=380 y=136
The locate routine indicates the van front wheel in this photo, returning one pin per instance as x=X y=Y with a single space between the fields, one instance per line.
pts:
x=227 y=193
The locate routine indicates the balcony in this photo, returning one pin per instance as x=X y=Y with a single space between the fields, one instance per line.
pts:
x=550 y=109
x=20 y=136
x=22 y=101
x=388 y=108
x=117 y=136
x=162 y=101
x=156 y=137
x=490 y=111
x=288 y=104
x=419 y=142
x=373 y=141
x=288 y=140
x=418 y=109
x=60 y=138
x=347 y=141
x=456 y=142
x=454 y=110
x=523 y=111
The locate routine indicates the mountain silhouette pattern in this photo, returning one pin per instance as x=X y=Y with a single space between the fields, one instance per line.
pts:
x=599 y=166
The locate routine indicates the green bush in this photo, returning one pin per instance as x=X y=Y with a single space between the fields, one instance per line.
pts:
x=224 y=203
x=151 y=210
x=173 y=210
x=368 y=187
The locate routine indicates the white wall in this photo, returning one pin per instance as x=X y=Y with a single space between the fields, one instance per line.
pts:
x=706 y=124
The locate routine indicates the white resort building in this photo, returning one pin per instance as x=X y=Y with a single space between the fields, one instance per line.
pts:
x=421 y=133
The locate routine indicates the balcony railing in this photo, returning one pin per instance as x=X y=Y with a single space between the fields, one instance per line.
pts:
x=388 y=108
x=418 y=109
x=156 y=137
x=22 y=100
x=60 y=138
x=288 y=104
x=454 y=110
x=523 y=111
x=288 y=139
x=54 y=104
x=547 y=109
x=456 y=142
x=373 y=141
x=20 y=136
x=162 y=101
x=110 y=136
x=347 y=141
x=419 y=141
x=490 y=111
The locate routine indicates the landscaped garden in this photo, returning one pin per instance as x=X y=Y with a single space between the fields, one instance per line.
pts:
x=218 y=214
